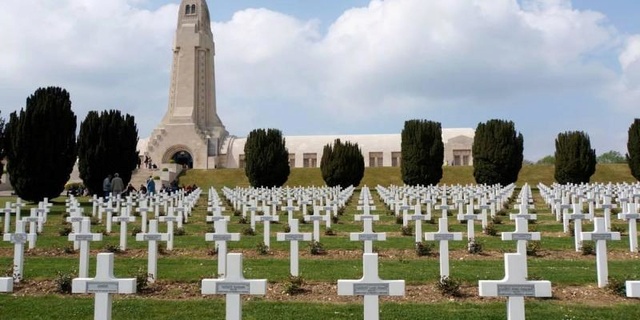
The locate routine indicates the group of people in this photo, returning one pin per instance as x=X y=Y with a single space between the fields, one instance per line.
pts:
x=116 y=187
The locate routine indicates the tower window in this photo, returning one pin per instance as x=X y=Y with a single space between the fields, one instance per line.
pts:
x=190 y=9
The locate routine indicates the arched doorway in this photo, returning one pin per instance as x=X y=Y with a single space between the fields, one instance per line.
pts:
x=183 y=158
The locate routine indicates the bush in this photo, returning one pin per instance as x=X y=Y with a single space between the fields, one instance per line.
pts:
x=407 y=231
x=243 y=220
x=497 y=152
x=496 y=220
x=575 y=160
x=422 y=152
x=112 y=248
x=142 y=280
x=135 y=231
x=65 y=231
x=64 y=281
x=316 y=248
x=424 y=248
x=448 y=287
x=342 y=164
x=262 y=249
x=617 y=286
x=474 y=246
x=491 y=230
x=588 y=248
x=179 y=232
x=287 y=228
x=248 y=232
x=294 y=285
x=329 y=232
x=533 y=247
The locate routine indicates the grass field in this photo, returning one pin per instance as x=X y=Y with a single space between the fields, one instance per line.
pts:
x=176 y=294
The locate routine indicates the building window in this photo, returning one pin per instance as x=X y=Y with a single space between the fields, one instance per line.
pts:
x=461 y=157
x=396 y=159
x=375 y=159
x=310 y=160
x=190 y=9
x=241 y=161
x=292 y=160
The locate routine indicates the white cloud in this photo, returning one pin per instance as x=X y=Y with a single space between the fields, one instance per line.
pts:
x=390 y=61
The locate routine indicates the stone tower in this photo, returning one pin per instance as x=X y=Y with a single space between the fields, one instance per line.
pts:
x=191 y=128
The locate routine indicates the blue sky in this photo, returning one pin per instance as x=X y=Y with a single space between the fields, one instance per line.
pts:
x=345 y=66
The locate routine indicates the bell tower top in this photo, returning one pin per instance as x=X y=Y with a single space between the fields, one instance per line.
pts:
x=195 y=12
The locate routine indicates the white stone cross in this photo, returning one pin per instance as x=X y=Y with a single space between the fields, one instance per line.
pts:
x=523 y=214
x=75 y=218
x=169 y=219
x=370 y=286
x=316 y=218
x=124 y=219
x=109 y=210
x=7 y=217
x=577 y=216
x=444 y=207
x=32 y=219
x=289 y=208
x=600 y=235
x=522 y=235
x=153 y=236
x=631 y=216
x=366 y=208
x=17 y=207
x=19 y=238
x=405 y=212
x=181 y=213
x=515 y=286
x=368 y=236
x=6 y=284
x=103 y=286
x=607 y=206
x=221 y=236
x=329 y=213
x=470 y=217
x=84 y=236
x=633 y=289
x=443 y=236
x=233 y=285
x=267 y=219
x=143 y=209
x=418 y=217
x=293 y=236
x=42 y=211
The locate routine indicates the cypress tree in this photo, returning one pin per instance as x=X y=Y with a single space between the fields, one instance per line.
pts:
x=633 y=149
x=575 y=160
x=342 y=164
x=107 y=144
x=422 y=152
x=267 y=158
x=497 y=152
x=42 y=145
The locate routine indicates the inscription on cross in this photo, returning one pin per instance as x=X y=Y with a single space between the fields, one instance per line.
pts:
x=371 y=287
x=233 y=285
x=515 y=286
x=104 y=285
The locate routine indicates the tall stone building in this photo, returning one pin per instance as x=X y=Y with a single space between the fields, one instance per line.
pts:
x=191 y=128
x=191 y=131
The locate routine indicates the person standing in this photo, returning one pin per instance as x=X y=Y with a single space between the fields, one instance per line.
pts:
x=106 y=186
x=117 y=185
x=151 y=185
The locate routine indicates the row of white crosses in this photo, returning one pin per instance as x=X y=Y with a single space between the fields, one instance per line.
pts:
x=598 y=196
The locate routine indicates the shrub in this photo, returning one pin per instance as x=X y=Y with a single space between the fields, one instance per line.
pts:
x=618 y=228
x=69 y=249
x=287 y=228
x=496 y=220
x=342 y=164
x=248 y=232
x=65 y=231
x=266 y=158
x=243 y=220
x=294 y=285
x=142 y=280
x=491 y=230
x=497 y=152
x=112 y=248
x=449 y=287
x=424 y=248
x=316 y=248
x=422 y=152
x=588 y=248
x=575 y=160
x=262 y=248
x=179 y=232
x=399 y=219
x=474 y=246
x=136 y=230
x=407 y=231
x=64 y=281
x=617 y=286
x=329 y=232
x=533 y=247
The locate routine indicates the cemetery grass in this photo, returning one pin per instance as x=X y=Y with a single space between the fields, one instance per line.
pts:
x=572 y=274
x=57 y=307
x=385 y=176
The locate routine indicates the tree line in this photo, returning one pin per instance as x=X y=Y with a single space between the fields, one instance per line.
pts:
x=41 y=147
x=497 y=152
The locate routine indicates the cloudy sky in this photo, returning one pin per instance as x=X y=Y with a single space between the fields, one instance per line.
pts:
x=345 y=66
